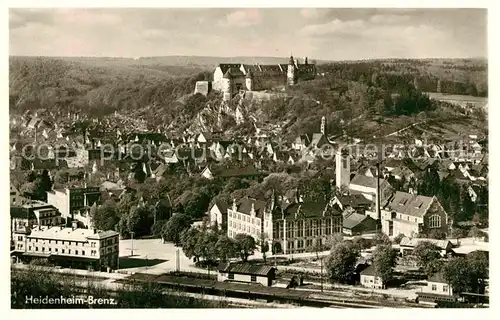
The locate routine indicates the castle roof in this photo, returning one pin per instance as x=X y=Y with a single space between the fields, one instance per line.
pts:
x=233 y=72
x=227 y=75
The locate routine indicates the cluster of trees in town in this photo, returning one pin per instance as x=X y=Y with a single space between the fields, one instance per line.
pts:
x=52 y=285
x=464 y=274
x=146 y=211
x=35 y=185
x=344 y=257
x=210 y=245
x=455 y=197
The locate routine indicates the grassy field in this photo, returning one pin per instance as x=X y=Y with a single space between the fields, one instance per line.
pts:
x=461 y=100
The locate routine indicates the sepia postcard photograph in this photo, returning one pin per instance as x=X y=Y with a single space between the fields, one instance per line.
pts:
x=248 y=157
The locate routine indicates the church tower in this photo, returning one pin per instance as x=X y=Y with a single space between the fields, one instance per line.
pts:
x=249 y=80
x=227 y=84
x=290 y=75
x=342 y=169
x=323 y=125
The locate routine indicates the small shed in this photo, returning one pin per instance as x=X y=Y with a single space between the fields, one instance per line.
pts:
x=246 y=273
x=368 y=278
x=357 y=224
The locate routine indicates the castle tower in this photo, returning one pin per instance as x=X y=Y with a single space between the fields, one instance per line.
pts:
x=342 y=169
x=249 y=80
x=290 y=75
x=227 y=84
x=305 y=61
x=323 y=125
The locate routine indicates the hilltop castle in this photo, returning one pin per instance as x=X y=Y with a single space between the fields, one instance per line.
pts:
x=233 y=78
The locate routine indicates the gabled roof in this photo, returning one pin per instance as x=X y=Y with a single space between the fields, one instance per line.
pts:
x=226 y=66
x=410 y=204
x=221 y=205
x=413 y=242
x=370 y=182
x=353 y=220
x=245 y=206
x=309 y=209
x=246 y=268
x=369 y=271
x=353 y=200
x=318 y=138
x=233 y=72
x=438 y=277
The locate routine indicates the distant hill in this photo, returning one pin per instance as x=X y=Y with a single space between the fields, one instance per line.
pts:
x=159 y=90
x=183 y=61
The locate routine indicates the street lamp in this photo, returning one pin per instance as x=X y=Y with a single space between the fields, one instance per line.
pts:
x=132 y=249
x=321 y=263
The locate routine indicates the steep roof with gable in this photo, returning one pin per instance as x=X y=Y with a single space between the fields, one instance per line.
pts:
x=370 y=182
x=410 y=204
x=233 y=72
x=226 y=66
x=309 y=209
x=438 y=277
x=353 y=200
x=245 y=206
x=353 y=220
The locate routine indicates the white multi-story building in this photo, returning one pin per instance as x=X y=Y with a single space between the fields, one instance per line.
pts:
x=68 y=246
x=252 y=217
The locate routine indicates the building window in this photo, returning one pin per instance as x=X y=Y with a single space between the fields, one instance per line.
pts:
x=445 y=288
x=29 y=248
x=230 y=276
x=56 y=249
x=83 y=253
x=20 y=238
x=434 y=288
x=69 y=251
x=253 y=278
x=36 y=248
x=56 y=241
x=50 y=249
x=435 y=221
x=76 y=251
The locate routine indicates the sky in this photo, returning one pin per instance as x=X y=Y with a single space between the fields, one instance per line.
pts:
x=326 y=34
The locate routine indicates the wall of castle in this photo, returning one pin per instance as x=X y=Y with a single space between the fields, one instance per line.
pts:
x=268 y=82
x=203 y=87
x=238 y=83
x=263 y=96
